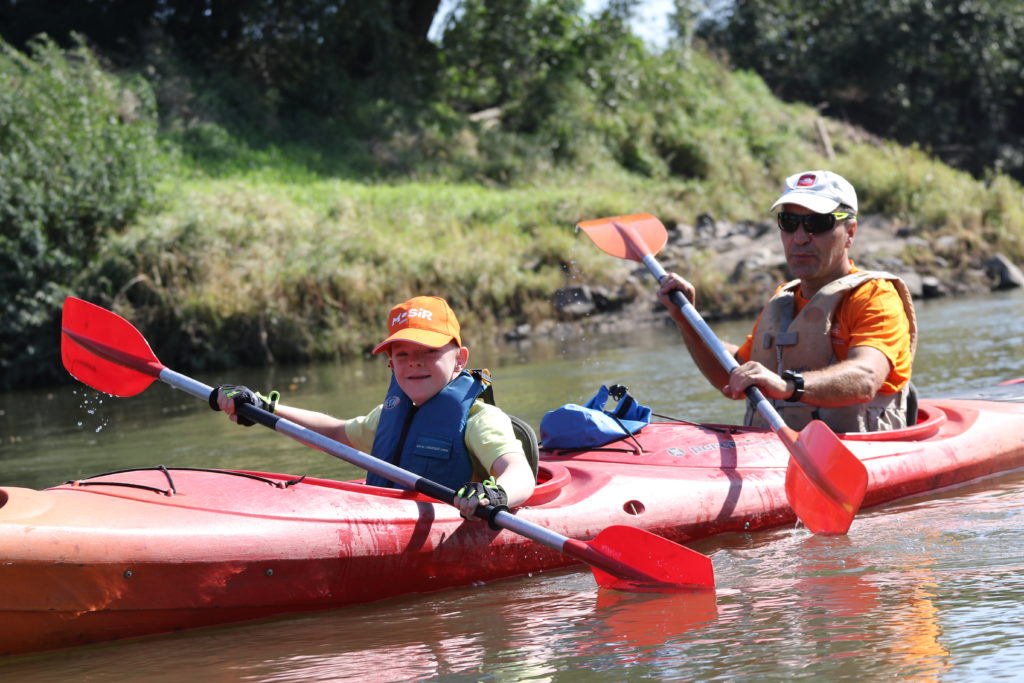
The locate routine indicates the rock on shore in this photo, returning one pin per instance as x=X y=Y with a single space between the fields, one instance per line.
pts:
x=736 y=266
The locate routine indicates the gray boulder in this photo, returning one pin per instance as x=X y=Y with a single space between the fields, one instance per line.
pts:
x=1004 y=274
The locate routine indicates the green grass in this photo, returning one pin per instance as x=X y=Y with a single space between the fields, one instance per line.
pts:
x=268 y=264
x=289 y=271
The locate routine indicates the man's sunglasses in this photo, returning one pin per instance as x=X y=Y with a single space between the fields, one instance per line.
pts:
x=814 y=223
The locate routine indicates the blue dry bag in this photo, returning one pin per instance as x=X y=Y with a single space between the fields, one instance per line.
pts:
x=588 y=425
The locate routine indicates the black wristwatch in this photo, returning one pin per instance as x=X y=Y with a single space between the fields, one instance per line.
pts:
x=798 y=384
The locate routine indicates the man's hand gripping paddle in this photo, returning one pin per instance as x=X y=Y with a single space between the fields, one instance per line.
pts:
x=104 y=351
x=825 y=481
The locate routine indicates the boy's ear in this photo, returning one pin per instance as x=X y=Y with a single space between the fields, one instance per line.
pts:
x=462 y=359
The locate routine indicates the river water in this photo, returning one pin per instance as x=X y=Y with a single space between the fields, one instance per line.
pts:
x=930 y=588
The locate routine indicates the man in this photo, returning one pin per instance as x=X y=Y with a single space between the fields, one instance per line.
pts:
x=834 y=344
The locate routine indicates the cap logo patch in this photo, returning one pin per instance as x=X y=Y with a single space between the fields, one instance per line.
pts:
x=404 y=316
x=806 y=180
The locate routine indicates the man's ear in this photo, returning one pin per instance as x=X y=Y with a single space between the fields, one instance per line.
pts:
x=851 y=230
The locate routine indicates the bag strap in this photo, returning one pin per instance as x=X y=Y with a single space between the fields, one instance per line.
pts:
x=483 y=375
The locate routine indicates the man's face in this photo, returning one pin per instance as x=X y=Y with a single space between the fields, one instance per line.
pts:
x=421 y=371
x=817 y=259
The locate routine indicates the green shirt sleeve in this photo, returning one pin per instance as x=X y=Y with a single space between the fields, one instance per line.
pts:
x=489 y=436
x=360 y=430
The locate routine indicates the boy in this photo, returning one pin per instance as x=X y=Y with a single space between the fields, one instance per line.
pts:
x=430 y=422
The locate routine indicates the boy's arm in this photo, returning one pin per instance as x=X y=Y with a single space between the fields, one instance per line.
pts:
x=321 y=423
x=514 y=474
x=492 y=441
x=328 y=426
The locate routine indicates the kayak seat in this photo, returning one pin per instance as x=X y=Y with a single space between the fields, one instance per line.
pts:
x=524 y=432
x=911 y=404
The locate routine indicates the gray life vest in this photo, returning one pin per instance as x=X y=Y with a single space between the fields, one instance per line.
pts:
x=803 y=342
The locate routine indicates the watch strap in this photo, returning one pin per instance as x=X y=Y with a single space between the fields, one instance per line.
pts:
x=798 y=384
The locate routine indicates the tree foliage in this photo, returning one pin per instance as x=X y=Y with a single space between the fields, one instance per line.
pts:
x=948 y=74
x=498 y=51
x=304 y=52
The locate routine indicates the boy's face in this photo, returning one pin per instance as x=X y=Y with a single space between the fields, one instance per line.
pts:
x=422 y=371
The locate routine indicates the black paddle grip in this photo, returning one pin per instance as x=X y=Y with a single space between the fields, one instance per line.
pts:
x=446 y=495
x=246 y=410
x=258 y=415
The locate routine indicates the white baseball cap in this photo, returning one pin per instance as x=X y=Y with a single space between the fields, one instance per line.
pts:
x=819 y=191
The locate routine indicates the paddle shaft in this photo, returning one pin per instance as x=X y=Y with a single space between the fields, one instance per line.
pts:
x=574 y=548
x=763 y=405
x=714 y=344
x=835 y=478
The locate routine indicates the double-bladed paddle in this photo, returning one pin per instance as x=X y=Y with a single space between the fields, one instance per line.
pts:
x=106 y=352
x=825 y=481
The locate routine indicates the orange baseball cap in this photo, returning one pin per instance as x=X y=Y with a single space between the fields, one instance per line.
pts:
x=426 y=320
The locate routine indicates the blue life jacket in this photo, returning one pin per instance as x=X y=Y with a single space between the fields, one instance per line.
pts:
x=428 y=440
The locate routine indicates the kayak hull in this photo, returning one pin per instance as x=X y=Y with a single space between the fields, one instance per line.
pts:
x=157 y=550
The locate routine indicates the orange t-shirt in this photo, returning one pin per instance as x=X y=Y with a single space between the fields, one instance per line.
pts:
x=871 y=315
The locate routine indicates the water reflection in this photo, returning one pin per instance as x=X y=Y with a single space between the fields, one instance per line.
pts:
x=651 y=619
x=916 y=646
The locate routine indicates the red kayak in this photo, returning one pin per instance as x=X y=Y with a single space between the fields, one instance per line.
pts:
x=155 y=550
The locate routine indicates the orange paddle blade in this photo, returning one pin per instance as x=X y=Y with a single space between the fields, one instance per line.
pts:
x=103 y=350
x=631 y=237
x=631 y=559
x=825 y=481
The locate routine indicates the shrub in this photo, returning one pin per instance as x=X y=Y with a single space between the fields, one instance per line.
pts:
x=78 y=158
